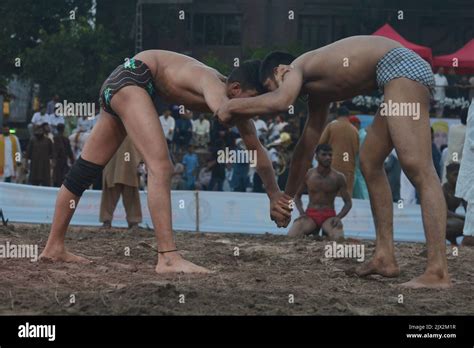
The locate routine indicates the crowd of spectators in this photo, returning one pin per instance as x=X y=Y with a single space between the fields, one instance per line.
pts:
x=195 y=139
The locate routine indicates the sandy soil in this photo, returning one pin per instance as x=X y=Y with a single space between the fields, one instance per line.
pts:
x=260 y=281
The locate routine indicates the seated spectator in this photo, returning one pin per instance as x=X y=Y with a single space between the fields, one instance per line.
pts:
x=201 y=131
x=191 y=163
x=183 y=131
x=455 y=222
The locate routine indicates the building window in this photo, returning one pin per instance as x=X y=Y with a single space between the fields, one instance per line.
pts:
x=217 y=29
x=313 y=31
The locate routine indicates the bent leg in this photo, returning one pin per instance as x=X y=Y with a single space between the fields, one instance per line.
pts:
x=334 y=233
x=377 y=146
x=103 y=142
x=141 y=121
x=411 y=137
x=302 y=226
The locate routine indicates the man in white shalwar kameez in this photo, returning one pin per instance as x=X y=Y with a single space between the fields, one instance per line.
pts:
x=465 y=183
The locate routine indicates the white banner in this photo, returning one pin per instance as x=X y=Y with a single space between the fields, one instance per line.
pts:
x=233 y=212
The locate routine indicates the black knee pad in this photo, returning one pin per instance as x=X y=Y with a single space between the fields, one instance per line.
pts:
x=81 y=176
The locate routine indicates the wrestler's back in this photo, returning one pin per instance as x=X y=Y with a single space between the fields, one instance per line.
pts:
x=177 y=77
x=345 y=68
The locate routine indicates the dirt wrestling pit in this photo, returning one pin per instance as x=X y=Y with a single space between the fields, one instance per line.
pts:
x=254 y=275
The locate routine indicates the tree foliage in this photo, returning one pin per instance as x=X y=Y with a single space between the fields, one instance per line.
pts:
x=23 y=22
x=72 y=62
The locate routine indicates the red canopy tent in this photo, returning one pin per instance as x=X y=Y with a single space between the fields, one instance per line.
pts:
x=464 y=56
x=387 y=31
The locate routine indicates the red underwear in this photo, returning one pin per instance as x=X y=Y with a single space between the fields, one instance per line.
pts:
x=320 y=215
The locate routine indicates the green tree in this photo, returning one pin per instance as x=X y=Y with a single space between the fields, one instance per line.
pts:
x=25 y=21
x=72 y=62
x=215 y=62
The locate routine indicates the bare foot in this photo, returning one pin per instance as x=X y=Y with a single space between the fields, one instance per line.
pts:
x=61 y=255
x=429 y=280
x=174 y=263
x=384 y=267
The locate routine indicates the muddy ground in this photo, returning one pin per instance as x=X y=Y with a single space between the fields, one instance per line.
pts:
x=260 y=281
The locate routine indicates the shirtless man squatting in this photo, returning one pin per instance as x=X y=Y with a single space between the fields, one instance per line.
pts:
x=323 y=183
x=127 y=108
x=340 y=71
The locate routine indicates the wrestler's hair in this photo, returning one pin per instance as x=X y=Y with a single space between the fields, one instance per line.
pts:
x=453 y=166
x=271 y=61
x=323 y=147
x=247 y=75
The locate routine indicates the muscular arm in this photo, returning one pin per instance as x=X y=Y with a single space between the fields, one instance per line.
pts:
x=273 y=102
x=304 y=150
x=346 y=197
x=280 y=210
x=264 y=165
